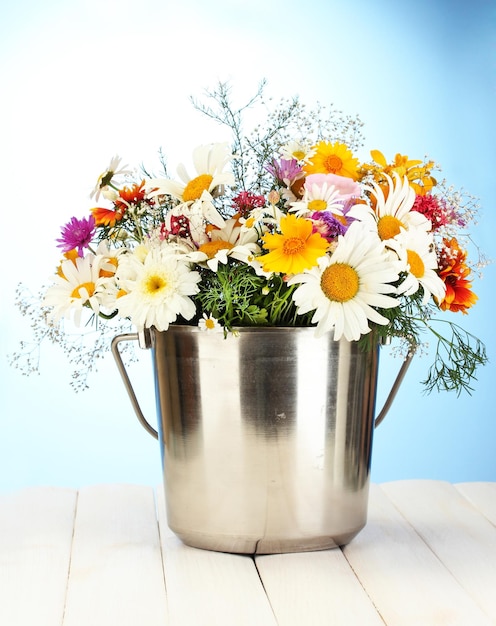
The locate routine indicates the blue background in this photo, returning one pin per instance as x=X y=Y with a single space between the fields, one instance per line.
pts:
x=84 y=80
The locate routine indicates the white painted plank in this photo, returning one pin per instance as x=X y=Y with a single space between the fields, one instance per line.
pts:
x=116 y=574
x=461 y=537
x=405 y=580
x=315 y=589
x=482 y=495
x=36 y=526
x=206 y=588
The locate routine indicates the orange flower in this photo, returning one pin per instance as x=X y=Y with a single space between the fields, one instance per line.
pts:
x=107 y=217
x=130 y=195
x=418 y=173
x=455 y=272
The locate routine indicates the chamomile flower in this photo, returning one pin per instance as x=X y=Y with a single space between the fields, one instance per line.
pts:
x=157 y=289
x=346 y=288
x=210 y=324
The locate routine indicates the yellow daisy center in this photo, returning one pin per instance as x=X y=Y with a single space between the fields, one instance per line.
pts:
x=210 y=248
x=153 y=284
x=332 y=163
x=196 y=187
x=90 y=288
x=317 y=205
x=417 y=267
x=209 y=323
x=388 y=227
x=299 y=155
x=339 y=282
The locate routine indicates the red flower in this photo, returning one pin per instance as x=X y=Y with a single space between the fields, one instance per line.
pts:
x=245 y=201
x=433 y=208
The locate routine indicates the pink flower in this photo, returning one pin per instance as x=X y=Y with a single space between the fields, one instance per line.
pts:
x=347 y=187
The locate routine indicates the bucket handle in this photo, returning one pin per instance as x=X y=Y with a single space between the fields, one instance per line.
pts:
x=146 y=340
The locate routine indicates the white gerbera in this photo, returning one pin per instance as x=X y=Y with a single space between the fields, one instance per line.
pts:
x=156 y=289
x=79 y=284
x=416 y=248
x=347 y=285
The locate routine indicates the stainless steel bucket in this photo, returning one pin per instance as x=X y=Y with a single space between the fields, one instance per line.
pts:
x=266 y=436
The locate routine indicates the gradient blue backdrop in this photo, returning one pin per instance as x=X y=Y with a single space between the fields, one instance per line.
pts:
x=85 y=79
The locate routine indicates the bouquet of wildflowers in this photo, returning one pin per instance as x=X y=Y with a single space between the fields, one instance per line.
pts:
x=283 y=227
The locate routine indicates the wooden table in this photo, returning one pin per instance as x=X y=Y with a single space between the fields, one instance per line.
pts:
x=97 y=556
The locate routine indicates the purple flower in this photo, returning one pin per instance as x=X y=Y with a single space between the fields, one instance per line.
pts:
x=327 y=225
x=77 y=234
x=285 y=170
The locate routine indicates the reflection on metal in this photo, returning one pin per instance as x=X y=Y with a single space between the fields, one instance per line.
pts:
x=265 y=435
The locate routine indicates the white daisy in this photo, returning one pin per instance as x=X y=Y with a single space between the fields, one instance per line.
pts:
x=210 y=324
x=261 y=219
x=110 y=257
x=321 y=193
x=105 y=178
x=197 y=192
x=347 y=285
x=416 y=248
x=392 y=213
x=157 y=289
x=79 y=284
x=299 y=150
x=230 y=241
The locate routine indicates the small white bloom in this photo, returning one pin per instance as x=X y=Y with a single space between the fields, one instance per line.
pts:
x=299 y=150
x=210 y=324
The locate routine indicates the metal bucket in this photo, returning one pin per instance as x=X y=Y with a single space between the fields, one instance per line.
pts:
x=265 y=436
